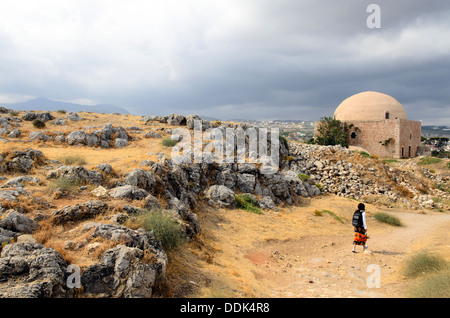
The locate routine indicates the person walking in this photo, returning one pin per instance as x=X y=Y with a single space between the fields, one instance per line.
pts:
x=360 y=227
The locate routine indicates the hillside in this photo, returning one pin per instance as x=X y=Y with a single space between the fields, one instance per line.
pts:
x=79 y=190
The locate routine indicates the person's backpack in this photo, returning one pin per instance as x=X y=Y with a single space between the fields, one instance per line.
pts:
x=357 y=220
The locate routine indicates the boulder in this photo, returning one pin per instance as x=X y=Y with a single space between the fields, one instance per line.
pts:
x=17 y=182
x=152 y=134
x=151 y=203
x=120 y=143
x=176 y=120
x=77 y=138
x=221 y=195
x=100 y=192
x=105 y=168
x=128 y=192
x=73 y=213
x=30 y=116
x=266 y=202
x=122 y=273
x=140 y=178
x=37 y=135
x=18 y=222
x=246 y=182
x=77 y=173
x=14 y=133
x=22 y=161
x=73 y=117
x=30 y=270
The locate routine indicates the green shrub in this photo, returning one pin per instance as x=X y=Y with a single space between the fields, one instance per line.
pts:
x=13 y=113
x=304 y=177
x=330 y=132
x=423 y=263
x=247 y=203
x=38 y=124
x=169 y=142
x=387 y=218
x=61 y=111
x=167 y=230
x=365 y=154
x=71 y=160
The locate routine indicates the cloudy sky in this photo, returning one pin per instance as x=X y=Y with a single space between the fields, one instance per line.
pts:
x=260 y=59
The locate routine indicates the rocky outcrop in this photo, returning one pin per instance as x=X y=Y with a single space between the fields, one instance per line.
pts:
x=141 y=178
x=18 y=222
x=221 y=195
x=30 y=270
x=128 y=192
x=20 y=161
x=73 y=213
x=122 y=273
x=44 y=117
x=77 y=174
x=37 y=135
x=107 y=137
x=131 y=269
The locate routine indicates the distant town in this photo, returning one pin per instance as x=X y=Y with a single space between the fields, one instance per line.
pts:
x=436 y=137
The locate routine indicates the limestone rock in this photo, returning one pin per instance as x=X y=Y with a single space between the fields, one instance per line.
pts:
x=128 y=192
x=18 y=222
x=29 y=270
x=73 y=213
x=221 y=195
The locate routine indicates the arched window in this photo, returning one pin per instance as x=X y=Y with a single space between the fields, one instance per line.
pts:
x=386 y=115
x=353 y=135
x=410 y=135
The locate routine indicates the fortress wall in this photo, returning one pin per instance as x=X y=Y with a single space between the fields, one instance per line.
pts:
x=410 y=132
x=371 y=134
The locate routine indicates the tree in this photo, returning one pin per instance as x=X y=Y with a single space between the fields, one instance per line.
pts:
x=331 y=131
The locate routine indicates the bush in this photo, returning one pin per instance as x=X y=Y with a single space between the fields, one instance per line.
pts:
x=247 y=203
x=423 y=263
x=169 y=142
x=13 y=113
x=61 y=111
x=71 y=160
x=331 y=131
x=65 y=184
x=433 y=286
x=365 y=154
x=304 y=177
x=38 y=124
x=387 y=218
x=168 y=231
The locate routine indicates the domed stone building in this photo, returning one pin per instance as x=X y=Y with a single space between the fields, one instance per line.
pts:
x=379 y=124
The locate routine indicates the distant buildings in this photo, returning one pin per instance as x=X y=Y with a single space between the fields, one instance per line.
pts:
x=379 y=124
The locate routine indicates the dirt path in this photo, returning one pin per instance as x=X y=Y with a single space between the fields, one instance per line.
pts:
x=324 y=266
x=294 y=253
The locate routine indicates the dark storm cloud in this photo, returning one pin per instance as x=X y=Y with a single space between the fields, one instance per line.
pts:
x=229 y=59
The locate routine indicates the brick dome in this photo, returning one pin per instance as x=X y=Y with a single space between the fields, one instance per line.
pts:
x=370 y=106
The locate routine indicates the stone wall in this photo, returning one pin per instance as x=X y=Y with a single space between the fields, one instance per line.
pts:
x=374 y=135
x=410 y=132
x=385 y=138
